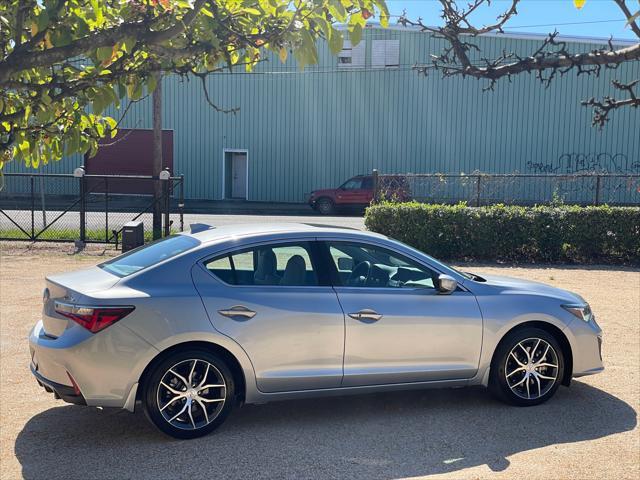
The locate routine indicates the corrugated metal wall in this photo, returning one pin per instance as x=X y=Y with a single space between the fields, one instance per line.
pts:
x=314 y=129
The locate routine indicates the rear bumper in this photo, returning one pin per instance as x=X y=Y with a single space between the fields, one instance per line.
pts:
x=104 y=366
x=65 y=392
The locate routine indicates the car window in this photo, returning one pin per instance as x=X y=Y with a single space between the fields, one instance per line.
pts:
x=353 y=184
x=279 y=264
x=367 y=183
x=361 y=265
x=148 y=255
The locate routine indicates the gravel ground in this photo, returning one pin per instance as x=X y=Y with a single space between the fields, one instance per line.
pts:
x=587 y=431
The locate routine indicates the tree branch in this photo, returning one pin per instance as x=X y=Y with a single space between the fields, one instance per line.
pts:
x=603 y=107
x=462 y=57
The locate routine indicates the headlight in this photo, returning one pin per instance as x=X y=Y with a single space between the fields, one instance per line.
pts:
x=582 y=311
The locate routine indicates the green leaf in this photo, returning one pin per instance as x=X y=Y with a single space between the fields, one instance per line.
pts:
x=356 y=34
x=384 y=14
x=97 y=11
x=336 y=42
x=128 y=44
x=61 y=37
x=42 y=20
x=337 y=10
x=111 y=122
x=308 y=52
x=152 y=82
x=104 y=53
x=134 y=90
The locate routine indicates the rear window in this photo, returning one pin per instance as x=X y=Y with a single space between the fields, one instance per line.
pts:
x=148 y=255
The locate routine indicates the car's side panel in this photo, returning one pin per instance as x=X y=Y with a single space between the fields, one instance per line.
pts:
x=502 y=311
x=422 y=336
x=295 y=340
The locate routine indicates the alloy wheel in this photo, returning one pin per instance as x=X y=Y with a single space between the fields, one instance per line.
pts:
x=191 y=394
x=531 y=368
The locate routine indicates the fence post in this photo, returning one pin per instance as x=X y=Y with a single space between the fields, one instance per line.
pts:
x=181 y=203
x=106 y=210
x=165 y=178
x=33 y=210
x=597 y=190
x=79 y=174
x=478 y=191
x=376 y=186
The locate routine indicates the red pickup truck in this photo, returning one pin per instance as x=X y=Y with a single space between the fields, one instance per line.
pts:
x=357 y=192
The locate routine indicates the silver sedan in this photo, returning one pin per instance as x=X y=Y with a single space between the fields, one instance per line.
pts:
x=190 y=326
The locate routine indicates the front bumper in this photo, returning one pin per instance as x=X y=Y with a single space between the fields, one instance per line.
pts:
x=65 y=392
x=585 y=339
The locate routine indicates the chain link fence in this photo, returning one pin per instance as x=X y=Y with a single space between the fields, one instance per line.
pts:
x=512 y=189
x=88 y=208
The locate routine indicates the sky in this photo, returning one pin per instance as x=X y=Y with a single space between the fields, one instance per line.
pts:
x=598 y=18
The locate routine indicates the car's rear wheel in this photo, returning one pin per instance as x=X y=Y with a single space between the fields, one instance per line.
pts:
x=527 y=367
x=325 y=206
x=189 y=394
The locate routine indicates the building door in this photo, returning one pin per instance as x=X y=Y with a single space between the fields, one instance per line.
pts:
x=239 y=172
x=236 y=175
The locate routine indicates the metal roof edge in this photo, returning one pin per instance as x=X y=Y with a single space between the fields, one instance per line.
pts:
x=511 y=34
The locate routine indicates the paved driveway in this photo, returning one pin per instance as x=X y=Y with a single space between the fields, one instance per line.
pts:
x=587 y=431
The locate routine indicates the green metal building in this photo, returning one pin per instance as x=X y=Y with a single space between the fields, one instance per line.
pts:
x=296 y=131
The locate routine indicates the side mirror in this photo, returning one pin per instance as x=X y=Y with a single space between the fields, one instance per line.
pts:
x=446 y=284
x=345 y=263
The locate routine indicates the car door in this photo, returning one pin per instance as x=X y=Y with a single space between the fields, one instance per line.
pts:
x=351 y=192
x=398 y=328
x=273 y=301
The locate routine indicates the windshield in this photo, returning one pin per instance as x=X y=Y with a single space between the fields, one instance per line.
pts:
x=148 y=255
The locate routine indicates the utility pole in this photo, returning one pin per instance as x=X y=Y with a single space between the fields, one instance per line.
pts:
x=157 y=158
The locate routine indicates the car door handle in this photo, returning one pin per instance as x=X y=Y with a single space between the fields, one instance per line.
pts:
x=366 y=314
x=238 y=311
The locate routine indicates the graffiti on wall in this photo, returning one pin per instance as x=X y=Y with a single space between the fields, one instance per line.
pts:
x=569 y=163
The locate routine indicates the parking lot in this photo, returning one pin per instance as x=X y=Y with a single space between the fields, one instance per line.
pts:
x=586 y=431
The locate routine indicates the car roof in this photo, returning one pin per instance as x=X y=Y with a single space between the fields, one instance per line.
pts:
x=215 y=234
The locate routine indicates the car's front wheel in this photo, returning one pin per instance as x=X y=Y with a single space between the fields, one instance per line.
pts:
x=189 y=393
x=325 y=206
x=527 y=367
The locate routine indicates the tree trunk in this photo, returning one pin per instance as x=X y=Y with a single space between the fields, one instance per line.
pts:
x=157 y=159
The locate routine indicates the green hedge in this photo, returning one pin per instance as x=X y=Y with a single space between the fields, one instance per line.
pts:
x=499 y=232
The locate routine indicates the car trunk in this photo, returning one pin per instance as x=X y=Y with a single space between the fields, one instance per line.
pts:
x=72 y=288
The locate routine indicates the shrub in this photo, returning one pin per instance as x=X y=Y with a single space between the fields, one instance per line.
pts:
x=559 y=233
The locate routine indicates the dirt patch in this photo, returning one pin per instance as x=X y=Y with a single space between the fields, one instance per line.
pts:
x=587 y=431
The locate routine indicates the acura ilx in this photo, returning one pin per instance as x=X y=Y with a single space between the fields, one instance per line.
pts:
x=195 y=324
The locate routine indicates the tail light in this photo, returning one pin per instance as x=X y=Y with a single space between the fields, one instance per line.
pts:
x=93 y=319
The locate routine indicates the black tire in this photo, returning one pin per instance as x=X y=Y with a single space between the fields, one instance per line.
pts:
x=325 y=206
x=539 y=388
x=214 y=414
